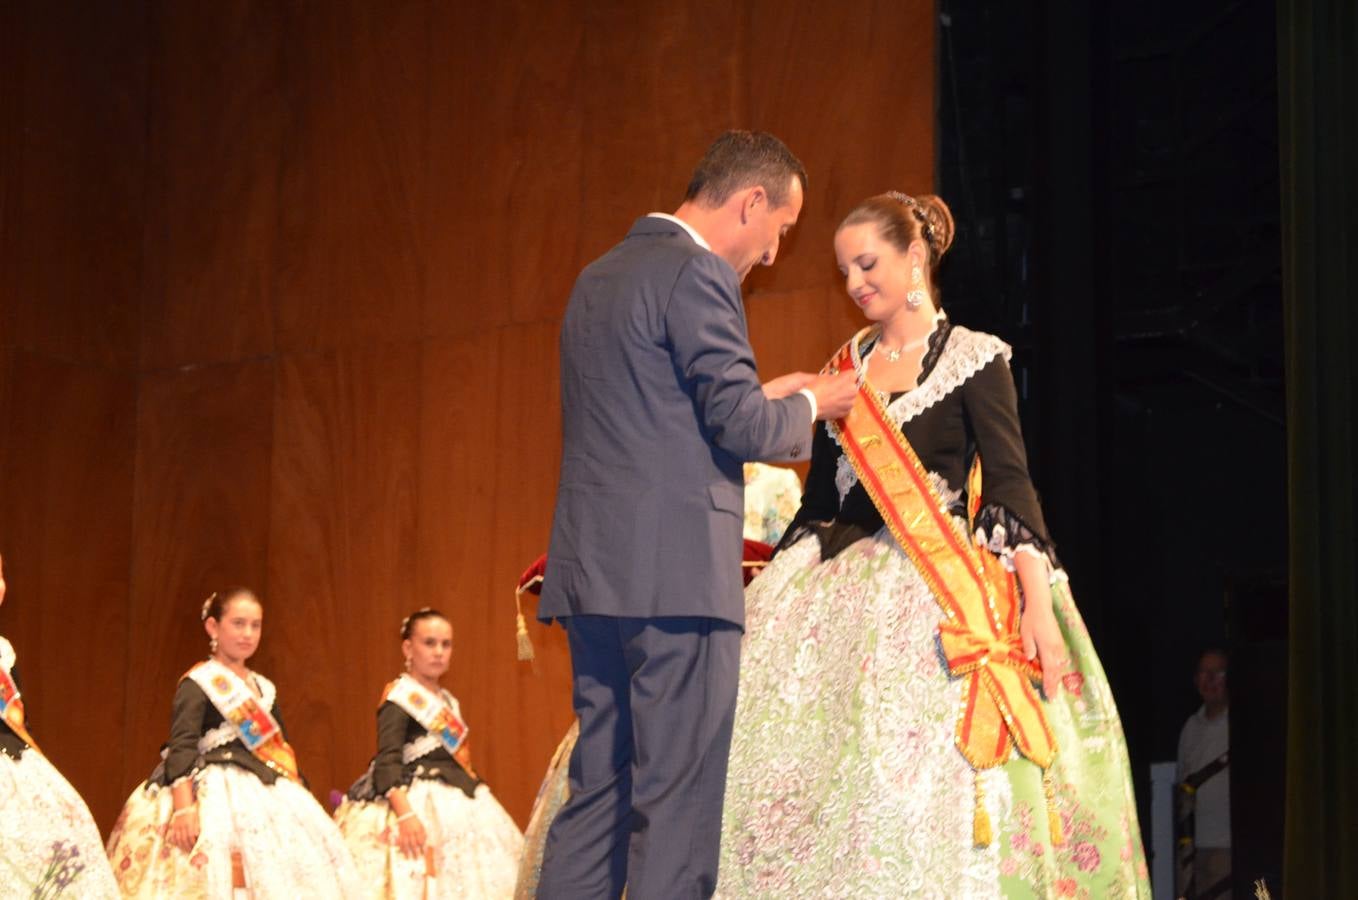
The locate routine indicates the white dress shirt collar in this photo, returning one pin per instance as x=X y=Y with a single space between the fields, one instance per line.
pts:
x=692 y=232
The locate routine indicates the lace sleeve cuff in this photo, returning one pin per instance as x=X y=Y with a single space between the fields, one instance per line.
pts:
x=1005 y=534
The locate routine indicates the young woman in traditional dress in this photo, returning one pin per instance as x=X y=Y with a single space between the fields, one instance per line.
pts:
x=420 y=823
x=49 y=844
x=890 y=738
x=226 y=813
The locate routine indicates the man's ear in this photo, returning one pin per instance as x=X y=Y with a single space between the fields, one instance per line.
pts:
x=753 y=198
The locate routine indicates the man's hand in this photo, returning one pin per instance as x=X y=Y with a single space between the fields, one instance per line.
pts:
x=834 y=394
x=786 y=385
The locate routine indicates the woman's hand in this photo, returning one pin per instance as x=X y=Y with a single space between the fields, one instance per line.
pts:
x=1038 y=628
x=184 y=828
x=410 y=837
x=1042 y=640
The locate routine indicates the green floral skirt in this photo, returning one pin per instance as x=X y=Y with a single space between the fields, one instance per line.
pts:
x=844 y=777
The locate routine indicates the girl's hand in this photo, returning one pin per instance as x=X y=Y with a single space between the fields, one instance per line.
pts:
x=1042 y=640
x=184 y=828
x=411 y=837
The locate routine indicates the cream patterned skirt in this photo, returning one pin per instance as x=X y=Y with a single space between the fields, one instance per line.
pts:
x=271 y=841
x=473 y=845
x=845 y=781
x=49 y=844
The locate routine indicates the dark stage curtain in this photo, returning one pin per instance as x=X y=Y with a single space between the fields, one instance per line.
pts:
x=1318 y=107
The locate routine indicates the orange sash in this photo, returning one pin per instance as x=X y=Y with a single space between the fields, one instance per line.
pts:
x=979 y=598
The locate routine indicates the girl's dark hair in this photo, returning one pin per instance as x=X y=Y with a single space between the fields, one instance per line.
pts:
x=409 y=622
x=215 y=605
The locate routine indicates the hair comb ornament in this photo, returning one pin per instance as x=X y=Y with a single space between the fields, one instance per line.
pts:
x=926 y=229
x=207 y=607
x=405 y=623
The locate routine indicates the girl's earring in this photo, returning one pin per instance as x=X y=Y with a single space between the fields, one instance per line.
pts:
x=408 y=663
x=212 y=647
x=915 y=298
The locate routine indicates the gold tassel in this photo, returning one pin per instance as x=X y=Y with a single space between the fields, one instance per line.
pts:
x=524 y=641
x=980 y=823
x=1058 y=834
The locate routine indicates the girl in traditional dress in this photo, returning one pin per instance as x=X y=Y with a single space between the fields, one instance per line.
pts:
x=226 y=813
x=49 y=844
x=890 y=738
x=420 y=823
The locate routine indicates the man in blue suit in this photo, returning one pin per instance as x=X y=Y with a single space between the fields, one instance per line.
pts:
x=661 y=406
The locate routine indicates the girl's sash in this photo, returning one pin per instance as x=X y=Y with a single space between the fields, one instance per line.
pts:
x=12 y=707
x=979 y=634
x=440 y=718
x=257 y=729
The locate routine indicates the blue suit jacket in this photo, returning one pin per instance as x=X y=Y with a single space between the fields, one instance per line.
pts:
x=660 y=406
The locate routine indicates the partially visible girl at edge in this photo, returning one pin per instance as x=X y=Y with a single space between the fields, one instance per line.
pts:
x=49 y=844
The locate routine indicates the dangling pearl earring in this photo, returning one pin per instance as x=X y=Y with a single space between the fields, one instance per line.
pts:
x=212 y=647
x=409 y=662
x=915 y=298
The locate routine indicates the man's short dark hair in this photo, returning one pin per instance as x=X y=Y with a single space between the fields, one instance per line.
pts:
x=744 y=159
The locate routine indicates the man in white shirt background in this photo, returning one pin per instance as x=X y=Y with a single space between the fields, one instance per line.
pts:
x=1205 y=786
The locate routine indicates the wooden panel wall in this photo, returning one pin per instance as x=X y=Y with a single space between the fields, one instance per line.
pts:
x=72 y=159
x=348 y=234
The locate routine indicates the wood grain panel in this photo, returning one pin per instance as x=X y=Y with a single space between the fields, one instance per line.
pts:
x=665 y=82
x=490 y=447
x=70 y=246
x=200 y=523
x=850 y=89
x=368 y=218
x=6 y=430
x=350 y=265
x=11 y=154
x=508 y=220
x=342 y=555
x=219 y=112
x=798 y=330
x=65 y=501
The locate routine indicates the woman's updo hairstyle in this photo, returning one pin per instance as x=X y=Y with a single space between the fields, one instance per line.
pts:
x=409 y=622
x=902 y=219
x=215 y=606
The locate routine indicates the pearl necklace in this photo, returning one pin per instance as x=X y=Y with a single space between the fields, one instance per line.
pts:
x=895 y=355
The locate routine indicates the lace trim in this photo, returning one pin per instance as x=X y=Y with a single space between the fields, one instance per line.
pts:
x=998 y=542
x=267 y=692
x=964 y=354
x=420 y=747
x=220 y=736
x=7 y=655
x=845 y=476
